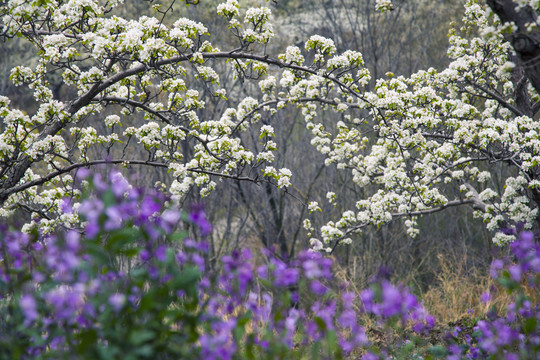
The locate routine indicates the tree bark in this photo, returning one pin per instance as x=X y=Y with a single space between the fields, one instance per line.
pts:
x=526 y=43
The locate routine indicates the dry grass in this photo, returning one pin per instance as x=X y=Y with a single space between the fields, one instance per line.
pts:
x=458 y=291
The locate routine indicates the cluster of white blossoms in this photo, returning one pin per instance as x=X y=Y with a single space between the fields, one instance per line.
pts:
x=323 y=47
x=262 y=30
x=346 y=59
x=415 y=145
x=229 y=9
x=433 y=130
x=534 y=4
x=383 y=5
x=281 y=176
x=292 y=55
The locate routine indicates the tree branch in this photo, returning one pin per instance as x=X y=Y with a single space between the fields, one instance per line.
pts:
x=72 y=167
x=18 y=170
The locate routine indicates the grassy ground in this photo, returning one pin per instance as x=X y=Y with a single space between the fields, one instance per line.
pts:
x=454 y=298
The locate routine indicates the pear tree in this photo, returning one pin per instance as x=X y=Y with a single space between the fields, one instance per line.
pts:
x=465 y=135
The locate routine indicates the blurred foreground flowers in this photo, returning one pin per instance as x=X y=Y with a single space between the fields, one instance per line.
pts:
x=132 y=283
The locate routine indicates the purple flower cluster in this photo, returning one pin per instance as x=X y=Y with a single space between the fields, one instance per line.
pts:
x=514 y=334
x=73 y=282
x=13 y=252
x=518 y=330
x=125 y=285
x=385 y=300
x=116 y=203
x=495 y=335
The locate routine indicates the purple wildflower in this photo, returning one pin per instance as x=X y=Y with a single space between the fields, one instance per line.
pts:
x=82 y=174
x=486 y=296
x=149 y=208
x=119 y=185
x=161 y=253
x=318 y=288
x=144 y=255
x=198 y=217
x=369 y=356
x=284 y=276
x=347 y=319
x=169 y=219
x=29 y=308
x=496 y=265
x=515 y=272
x=65 y=206
x=117 y=301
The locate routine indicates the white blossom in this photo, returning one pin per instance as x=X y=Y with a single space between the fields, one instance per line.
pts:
x=313 y=206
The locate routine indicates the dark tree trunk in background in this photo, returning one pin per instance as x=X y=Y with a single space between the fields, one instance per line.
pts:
x=527 y=46
x=525 y=43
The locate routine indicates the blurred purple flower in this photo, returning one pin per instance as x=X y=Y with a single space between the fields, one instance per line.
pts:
x=169 y=219
x=144 y=255
x=325 y=311
x=65 y=206
x=347 y=319
x=367 y=296
x=311 y=269
x=148 y=208
x=515 y=272
x=66 y=301
x=290 y=326
x=263 y=344
x=345 y=345
x=117 y=301
x=262 y=271
x=486 y=296
x=161 y=253
x=219 y=344
x=198 y=217
x=115 y=217
x=360 y=337
x=369 y=356
x=495 y=267
x=455 y=352
x=317 y=288
x=72 y=238
x=198 y=260
x=236 y=259
x=82 y=173
x=119 y=185
x=99 y=183
x=524 y=246
x=181 y=258
x=29 y=308
x=391 y=300
x=474 y=353
x=511 y=356
x=264 y=311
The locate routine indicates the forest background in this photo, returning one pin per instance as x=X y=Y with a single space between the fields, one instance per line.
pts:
x=443 y=261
